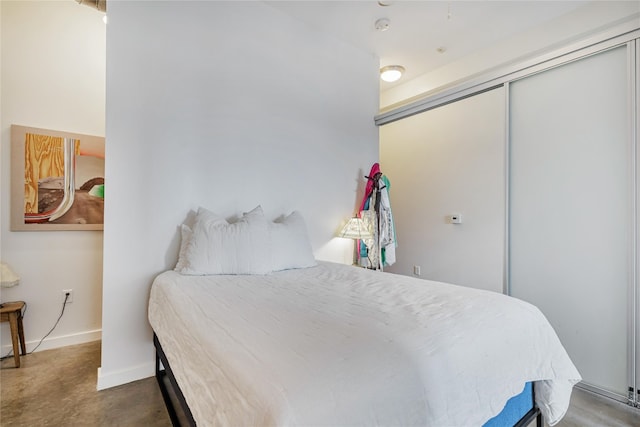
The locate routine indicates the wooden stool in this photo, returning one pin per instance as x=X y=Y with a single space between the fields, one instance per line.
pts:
x=12 y=312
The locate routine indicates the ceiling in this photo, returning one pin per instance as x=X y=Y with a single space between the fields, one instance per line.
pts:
x=419 y=29
x=423 y=35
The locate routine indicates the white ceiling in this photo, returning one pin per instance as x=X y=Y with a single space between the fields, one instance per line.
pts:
x=418 y=28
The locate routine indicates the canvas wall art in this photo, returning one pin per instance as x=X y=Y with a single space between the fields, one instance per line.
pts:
x=57 y=180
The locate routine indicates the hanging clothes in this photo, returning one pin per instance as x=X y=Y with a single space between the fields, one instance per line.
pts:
x=386 y=228
x=376 y=211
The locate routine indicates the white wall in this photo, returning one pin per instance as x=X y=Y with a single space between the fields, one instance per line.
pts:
x=225 y=105
x=53 y=76
x=591 y=18
x=445 y=161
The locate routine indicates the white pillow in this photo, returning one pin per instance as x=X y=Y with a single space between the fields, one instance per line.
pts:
x=290 y=246
x=185 y=238
x=218 y=247
x=186 y=232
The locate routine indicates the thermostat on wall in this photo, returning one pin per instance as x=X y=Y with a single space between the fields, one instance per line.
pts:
x=455 y=219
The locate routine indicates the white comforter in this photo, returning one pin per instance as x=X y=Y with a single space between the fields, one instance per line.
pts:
x=338 y=345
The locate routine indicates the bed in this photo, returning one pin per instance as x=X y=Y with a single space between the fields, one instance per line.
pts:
x=341 y=345
x=283 y=340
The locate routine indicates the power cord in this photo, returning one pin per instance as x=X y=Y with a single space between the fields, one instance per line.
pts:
x=64 y=304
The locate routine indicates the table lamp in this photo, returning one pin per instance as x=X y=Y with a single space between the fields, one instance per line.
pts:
x=358 y=229
x=8 y=277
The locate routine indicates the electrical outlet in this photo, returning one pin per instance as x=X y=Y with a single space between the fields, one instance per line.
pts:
x=64 y=294
x=416 y=270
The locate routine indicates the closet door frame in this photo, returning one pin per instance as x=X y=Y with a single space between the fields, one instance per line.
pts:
x=633 y=60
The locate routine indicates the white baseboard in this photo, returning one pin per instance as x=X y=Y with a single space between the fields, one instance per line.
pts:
x=124 y=376
x=59 y=341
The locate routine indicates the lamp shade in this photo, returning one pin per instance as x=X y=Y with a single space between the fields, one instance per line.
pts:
x=356 y=228
x=8 y=277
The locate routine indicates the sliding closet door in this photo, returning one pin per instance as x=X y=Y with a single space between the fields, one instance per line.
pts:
x=449 y=160
x=571 y=209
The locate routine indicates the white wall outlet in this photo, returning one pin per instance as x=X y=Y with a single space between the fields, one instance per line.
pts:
x=416 y=270
x=64 y=295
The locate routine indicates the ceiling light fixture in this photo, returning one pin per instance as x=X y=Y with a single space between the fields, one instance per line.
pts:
x=391 y=73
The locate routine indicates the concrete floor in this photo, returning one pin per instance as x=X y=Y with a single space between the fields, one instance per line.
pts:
x=590 y=410
x=58 y=388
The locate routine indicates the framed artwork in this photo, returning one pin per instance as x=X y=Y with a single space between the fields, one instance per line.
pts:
x=57 y=180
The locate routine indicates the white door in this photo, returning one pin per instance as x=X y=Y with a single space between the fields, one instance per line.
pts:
x=445 y=161
x=571 y=209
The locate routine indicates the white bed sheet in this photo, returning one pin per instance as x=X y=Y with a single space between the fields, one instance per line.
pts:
x=338 y=345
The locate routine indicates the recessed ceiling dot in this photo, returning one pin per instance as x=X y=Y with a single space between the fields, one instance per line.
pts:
x=382 y=24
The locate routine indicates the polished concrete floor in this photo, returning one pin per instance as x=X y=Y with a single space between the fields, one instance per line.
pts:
x=589 y=410
x=58 y=388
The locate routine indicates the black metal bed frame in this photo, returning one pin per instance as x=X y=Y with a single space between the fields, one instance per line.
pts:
x=534 y=412
x=166 y=372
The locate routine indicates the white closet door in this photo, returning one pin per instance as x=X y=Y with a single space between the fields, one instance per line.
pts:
x=571 y=209
x=449 y=160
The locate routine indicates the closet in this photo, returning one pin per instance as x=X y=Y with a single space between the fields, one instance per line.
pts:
x=566 y=218
x=571 y=209
x=441 y=162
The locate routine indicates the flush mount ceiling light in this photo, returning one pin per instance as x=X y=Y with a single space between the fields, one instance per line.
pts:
x=391 y=73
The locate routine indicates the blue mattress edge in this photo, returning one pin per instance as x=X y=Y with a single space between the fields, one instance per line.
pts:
x=514 y=409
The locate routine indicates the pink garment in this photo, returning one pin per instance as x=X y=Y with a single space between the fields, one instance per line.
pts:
x=375 y=169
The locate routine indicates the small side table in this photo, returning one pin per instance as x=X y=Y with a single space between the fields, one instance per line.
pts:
x=12 y=312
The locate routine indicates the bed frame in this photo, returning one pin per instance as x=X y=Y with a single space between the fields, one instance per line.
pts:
x=164 y=373
x=534 y=413
x=165 y=378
